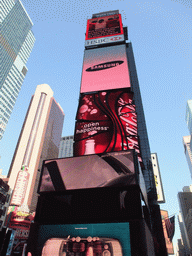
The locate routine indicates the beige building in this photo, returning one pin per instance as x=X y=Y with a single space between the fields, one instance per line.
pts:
x=39 y=139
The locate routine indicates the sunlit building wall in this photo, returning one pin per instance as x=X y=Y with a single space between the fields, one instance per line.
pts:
x=37 y=142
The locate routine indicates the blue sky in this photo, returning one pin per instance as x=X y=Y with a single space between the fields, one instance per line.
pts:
x=161 y=35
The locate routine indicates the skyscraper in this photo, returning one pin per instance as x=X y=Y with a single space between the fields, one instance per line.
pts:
x=187 y=151
x=16 y=43
x=66 y=147
x=188 y=116
x=141 y=127
x=39 y=139
x=110 y=134
x=185 y=221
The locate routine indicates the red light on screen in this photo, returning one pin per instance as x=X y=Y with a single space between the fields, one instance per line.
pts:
x=104 y=26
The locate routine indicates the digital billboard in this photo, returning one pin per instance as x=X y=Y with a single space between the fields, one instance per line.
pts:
x=104 y=69
x=107 y=239
x=108 y=29
x=106 y=121
x=108 y=170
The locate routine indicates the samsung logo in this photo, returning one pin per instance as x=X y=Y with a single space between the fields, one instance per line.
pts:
x=105 y=65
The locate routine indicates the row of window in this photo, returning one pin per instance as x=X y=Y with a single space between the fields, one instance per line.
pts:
x=6 y=7
x=27 y=47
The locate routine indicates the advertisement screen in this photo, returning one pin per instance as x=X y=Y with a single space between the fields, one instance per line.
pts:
x=108 y=170
x=106 y=121
x=104 y=69
x=107 y=239
x=104 y=26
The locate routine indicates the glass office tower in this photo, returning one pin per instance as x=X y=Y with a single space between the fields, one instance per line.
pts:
x=187 y=142
x=16 y=44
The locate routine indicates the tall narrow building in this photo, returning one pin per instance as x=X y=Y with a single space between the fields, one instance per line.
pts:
x=16 y=43
x=187 y=151
x=39 y=140
x=66 y=146
x=185 y=218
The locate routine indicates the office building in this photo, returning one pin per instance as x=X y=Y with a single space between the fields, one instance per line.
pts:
x=39 y=139
x=185 y=217
x=187 y=151
x=66 y=146
x=188 y=116
x=16 y=44
x=187 y=142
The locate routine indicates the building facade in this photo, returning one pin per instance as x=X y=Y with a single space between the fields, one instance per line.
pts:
x=39 y=139
x=66 y=146
x=4 y=201
x=188 y=116
x=187 y=151
x=185 y=217
x=17 y=41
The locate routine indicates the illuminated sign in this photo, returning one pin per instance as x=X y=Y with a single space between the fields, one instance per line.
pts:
x=20 y=188
x=106 y=65
x=104 y=40
x=106 y=121
x=105 y=69
x=88 y=172
x=102 y=14
x=108 y=239
x=104 y=26
x=21 y=221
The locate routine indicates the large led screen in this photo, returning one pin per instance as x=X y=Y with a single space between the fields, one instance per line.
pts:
x=102 y=30
x=108 y=170
x=104 y=26
x=104 y=69
x=106 y=121
x=106 y=239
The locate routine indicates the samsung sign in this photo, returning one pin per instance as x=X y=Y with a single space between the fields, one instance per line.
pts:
x=104 y=40
x=105 y=68
x=105 y=65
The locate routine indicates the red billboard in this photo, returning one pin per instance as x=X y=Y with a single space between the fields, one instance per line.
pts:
x=105 y=69
x=102 y=30
x=104 y=26
x=90 y=171
x=106 y=121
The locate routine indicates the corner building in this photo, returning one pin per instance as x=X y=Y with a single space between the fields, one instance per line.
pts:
x=16 y=43
x=39 y=139
x=105 y=195
x=110 y=115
